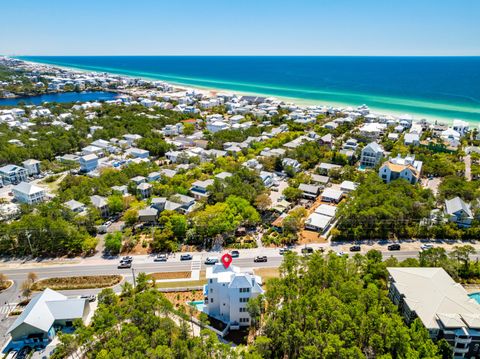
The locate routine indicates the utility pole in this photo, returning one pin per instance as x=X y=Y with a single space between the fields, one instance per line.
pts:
x=134 y=282
x=29 y=243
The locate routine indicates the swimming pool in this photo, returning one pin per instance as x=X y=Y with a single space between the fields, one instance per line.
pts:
x=198 y=304
x=475 y=296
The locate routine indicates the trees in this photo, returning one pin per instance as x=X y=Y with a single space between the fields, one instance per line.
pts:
x=292 y=194
x=379 y=210
x=113 y=242
x=140 y=326
x=333 y=307
x=292 y=223
x=115 y=204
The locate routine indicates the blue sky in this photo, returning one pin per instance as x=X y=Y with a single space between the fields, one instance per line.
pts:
x=245 y=27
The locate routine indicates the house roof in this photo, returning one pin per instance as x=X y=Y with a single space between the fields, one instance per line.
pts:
x=332 y=193
x=27 y=188
x=326 y=210
x=318 y=220
x=435 y=297
x=98 y=201
x=455 y=205
x=47 y=307
x=308 y=188
x=73 y=205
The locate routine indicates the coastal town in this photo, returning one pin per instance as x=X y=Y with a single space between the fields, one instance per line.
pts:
x=152 y=184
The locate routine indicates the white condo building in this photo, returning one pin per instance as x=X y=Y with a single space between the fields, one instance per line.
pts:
x=227 y=292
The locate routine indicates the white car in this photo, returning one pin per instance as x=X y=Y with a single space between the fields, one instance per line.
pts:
x=425 y=247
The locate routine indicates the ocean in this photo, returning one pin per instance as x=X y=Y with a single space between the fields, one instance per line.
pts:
x=435 y=88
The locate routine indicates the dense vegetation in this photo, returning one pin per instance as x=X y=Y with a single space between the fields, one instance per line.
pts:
x=379 y=211
x=139 y=325
x=335 y=307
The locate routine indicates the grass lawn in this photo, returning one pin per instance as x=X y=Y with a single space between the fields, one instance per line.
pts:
x=170 y=275
x=81 y=282
x=267 y=273
x=185 y=283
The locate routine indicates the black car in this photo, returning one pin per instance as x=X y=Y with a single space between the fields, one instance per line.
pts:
x=235 y=254
x=394 y=247
x=124 y=265
x=307 y=250
x=186 y=257
x=355 y=248
x=260 y=259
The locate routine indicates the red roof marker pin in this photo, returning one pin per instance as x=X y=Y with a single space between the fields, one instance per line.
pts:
x=226 y=260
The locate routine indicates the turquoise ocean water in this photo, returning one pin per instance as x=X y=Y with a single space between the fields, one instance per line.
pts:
x=426 y=87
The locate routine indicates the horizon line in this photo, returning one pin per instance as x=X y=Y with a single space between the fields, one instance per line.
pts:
x=233 y=55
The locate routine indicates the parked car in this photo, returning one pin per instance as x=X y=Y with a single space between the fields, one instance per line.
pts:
x=394 y=247
x=424 y=247
x=260 y=259
x=162 y=257
x=186 y=257
x=341 y=254
x=284 y=250
x=355 y=248
x=235 y=254
x=307 y=250
x=124 y=265
x=90 y=297
x=211 y=260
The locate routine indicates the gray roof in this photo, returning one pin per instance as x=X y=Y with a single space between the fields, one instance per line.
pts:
x=147 y=212
x=434 y=296
x=455 y=205
x=73 y=205
x=98 y=201
x=27 y=188
x=308 y=188
x=46 y=307
x=374 y=147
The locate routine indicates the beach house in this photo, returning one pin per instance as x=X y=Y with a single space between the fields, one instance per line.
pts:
x=401 y=167
x=372 y=154
x=227 y=293
x=88 y=163
x=12 y=174
x=459 y=212
x=46 y=314
x=28 y=193
x=32 y=166
x=442 y=305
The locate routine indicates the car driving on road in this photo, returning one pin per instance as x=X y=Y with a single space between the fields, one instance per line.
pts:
x=235 y=254
x=394 y=247
x=123 y=264
x=211 y=260
x=355 y=248
x=260 y=259
x=186 y=257
x=162 y=257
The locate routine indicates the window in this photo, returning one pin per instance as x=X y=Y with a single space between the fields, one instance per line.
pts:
x=211 y=281
x=244 y=320
x=243 y=310
x=243 y=300
x=211 y=290
x=244 y=290
x=211 y=300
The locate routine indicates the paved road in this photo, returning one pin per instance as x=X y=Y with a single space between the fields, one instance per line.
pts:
x=468 y=167
x=142 y=263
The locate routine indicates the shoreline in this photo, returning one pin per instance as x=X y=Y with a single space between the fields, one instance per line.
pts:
x=298 y=101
